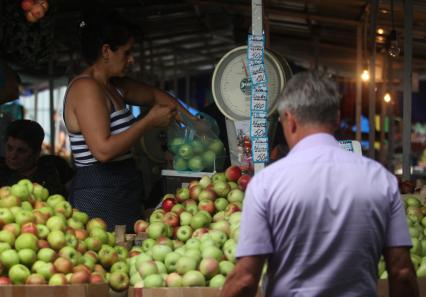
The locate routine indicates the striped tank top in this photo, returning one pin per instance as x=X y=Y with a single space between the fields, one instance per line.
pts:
x=120 y=120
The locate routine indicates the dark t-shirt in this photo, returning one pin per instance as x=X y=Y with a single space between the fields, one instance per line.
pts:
x=46 y=175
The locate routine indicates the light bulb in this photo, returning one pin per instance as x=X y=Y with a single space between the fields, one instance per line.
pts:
x=365 y=76
x=387 y=98
x=393 y=48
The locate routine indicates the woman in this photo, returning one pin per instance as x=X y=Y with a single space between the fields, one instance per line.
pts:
x=102 y=129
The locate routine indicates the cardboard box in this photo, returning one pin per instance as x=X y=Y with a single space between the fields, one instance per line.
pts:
x=84 y=290
x=175 y=292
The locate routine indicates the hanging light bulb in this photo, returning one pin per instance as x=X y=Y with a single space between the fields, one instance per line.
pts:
x=393 y=48
x=365 y=76
x=387 y=98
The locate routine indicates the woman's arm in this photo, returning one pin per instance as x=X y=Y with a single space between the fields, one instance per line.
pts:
x=138 y=93
x=93 y=118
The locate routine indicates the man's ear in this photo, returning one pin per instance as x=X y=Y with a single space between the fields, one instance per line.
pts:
x=105 y=51
x=291 y=122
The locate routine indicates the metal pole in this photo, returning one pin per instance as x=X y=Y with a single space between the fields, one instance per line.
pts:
x=391 y=134
x=372 y=85
x=358 y=108
x=51 y=108
x=406 y=119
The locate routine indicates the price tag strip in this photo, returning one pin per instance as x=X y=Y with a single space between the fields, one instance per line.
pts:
x=258 y=98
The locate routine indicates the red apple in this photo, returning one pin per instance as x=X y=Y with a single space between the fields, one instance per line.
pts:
x=29 y=228
x=171 y=219
x=81 y=234
x=207 y=205
x=96 y=278
x=193 y=183
x=63 y=265
x=195 y=191
x=4 y=280
x=233 y=173
x=178 y=208
x=140 y=226
x=243 y=181
x=26 y=5
x=41 y=243
x=168 y=203
x=35 y=279
x=207 y=194
x=80 y=277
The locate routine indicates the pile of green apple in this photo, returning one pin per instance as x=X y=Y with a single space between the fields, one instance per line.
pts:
x=191 y=240
x=43 y=240
x=197 y=154
x=416 y=220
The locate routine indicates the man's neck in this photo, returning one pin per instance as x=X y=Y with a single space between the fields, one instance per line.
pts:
x=311 y=129
x=28 y=172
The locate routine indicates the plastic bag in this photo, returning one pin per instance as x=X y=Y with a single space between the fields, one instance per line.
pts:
x=195 y=146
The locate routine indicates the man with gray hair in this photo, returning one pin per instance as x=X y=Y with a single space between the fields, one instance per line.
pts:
x=322 y=216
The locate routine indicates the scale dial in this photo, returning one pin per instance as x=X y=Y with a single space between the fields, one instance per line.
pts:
x=231 y=85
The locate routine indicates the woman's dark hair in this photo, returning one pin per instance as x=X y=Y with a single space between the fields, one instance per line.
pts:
x=26 y=130
x=102 y=26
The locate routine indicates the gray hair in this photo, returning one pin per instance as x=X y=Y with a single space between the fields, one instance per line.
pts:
x=311 y=97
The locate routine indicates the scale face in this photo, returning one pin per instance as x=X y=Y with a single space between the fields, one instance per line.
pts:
x=231 y=84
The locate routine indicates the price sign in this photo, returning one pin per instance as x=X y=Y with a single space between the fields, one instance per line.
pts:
x=259 y=100
x=260 y=150
x=259 y=125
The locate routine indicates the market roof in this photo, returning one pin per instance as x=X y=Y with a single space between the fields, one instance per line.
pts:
x=184 y=37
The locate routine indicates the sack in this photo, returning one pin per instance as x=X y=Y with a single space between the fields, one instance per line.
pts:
x=196 y=146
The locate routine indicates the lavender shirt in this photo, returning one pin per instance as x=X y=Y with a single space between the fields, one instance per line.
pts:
x=323 y=215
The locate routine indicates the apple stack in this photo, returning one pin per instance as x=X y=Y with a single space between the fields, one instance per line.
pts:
x=192 y=238
x=43 y=240
x=197 y=154
x=416 y=220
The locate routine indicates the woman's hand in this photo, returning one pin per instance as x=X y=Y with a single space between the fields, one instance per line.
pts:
x=160 y=116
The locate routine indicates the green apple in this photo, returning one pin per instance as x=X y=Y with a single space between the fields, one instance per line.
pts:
x=142 y=257
x=194 y=253
x=24 y=216
x=44 y=269
x=56 y=222
x=174 y=280
x=40 y=193
x=58 y=279
x=10 y=201
x=193 y=278
x=4 y=246
x=27 y=257
x=6 y=216
x=147 y=244
x=199 y=220
x=185 y=218
x=46 y=255
x=56 y=239
x=26 y=241
x=185 y=264
x=100 y=234
x=217 y=281
x=107 y=256
x=80 y=216
x=226 y=267
x=21 y=191
x=221 y=203
x=71 y=240
x=71 y=254
x=170 y=261
x=9 y=258
x=161 y=267
x=184 y=233
x=111 y=239
x=122 y=252
x=159 y=252
x=55 y=199
x=71 y=222
x=42 y=231
x=157 y=229
x=146 y=268
x=209 y=267
x=64 y=208
x=118 y=281
x=153 y=281
x=193 y=243
x=18 y=274
x=26 y=205
x=7 y=237
x=212 y=252
x=93 y=244
x=120 y=266
x=96 y=223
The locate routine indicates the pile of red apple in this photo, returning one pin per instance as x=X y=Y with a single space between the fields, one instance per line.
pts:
x=192 y=238
x=197 y=154
x=43 y=240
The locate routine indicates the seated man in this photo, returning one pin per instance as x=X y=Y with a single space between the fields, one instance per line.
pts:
x=23 y=146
